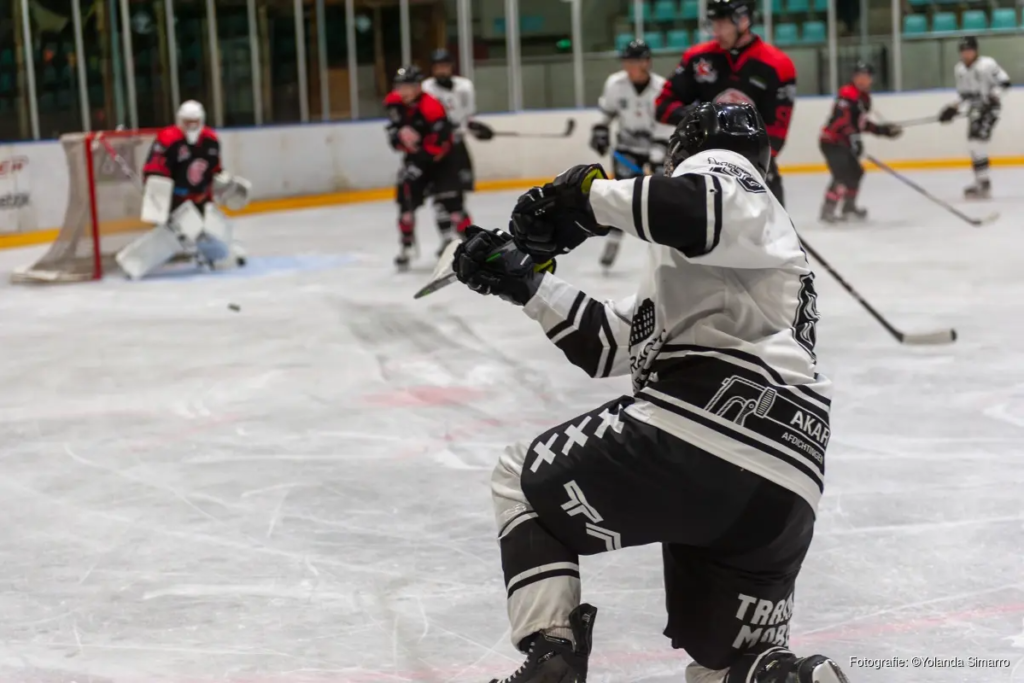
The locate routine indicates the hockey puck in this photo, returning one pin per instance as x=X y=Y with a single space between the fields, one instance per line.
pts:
x=235 y=307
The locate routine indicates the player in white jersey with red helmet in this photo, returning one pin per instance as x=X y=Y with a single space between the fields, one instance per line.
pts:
x=719 y=452
x=981 y=84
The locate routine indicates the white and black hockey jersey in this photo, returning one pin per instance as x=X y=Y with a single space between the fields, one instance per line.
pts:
x=459 y=100
x=719 y=338
x=980 y=81
x=638 y=125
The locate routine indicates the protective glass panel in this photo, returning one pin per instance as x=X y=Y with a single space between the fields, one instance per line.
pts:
x=234 y=45
x=280 y=61
x=55 y=61
x=148 y=25
x=545 y=36
x=193 y=41
x=491 y=67
x=105 y=75
x=337 y=76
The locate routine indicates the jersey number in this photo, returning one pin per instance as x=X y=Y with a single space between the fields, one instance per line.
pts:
x=805 y=327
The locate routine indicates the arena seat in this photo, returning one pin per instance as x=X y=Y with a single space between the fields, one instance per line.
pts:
x=974 y=20
x=814 y=32
x=679 y=39
x=1004 y=19
x=786 y=34
x=943 y=22
x=915 y=24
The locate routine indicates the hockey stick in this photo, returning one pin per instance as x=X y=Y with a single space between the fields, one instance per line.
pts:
x=125 y=167
x=444 y=274
x=991 y=218
x=921 y=339
x=621 y=159
x=570 y=126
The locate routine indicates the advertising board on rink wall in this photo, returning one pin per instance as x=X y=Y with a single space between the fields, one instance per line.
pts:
x=315 y=159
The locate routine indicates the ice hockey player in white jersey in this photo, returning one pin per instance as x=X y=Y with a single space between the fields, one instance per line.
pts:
x=458 y=96
x=629 y=96
x=981 y=84
x=718 y=454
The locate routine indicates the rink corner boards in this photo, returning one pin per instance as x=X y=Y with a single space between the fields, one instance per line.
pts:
x=37 y=237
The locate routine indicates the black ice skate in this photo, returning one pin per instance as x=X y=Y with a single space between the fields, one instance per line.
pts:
x=554 y=660
x=979 y=190
x=779 y=665
x=405 y=254
x=828 y=214
x=854 y=213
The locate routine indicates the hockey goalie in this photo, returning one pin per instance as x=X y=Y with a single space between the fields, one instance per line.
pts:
x=185 y=186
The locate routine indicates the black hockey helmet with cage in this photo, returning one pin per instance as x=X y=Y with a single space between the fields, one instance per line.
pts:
x=968 y=43
x=731 y=9
x=863 y=67
x=637 y=49
x=409 y=74
x=441 y=56
x=708 y=125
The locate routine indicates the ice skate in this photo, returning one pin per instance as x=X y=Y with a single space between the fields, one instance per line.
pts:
x=405 y=254
x=779 y=665
x=854 y=213
x=828 y=214
x=982 y=189
x=556 y=660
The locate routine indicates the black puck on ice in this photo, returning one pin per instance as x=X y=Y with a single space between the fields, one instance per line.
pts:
x=235 y=307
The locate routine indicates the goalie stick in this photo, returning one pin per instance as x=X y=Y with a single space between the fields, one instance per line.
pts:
x=570 y=126
x=991 y=218
x=915 y=339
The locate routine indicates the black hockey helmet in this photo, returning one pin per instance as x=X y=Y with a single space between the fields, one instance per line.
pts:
x=409 y=73
x=441 y=56
x=733 y=127
x=637 y=49
x=968 y=43
x=731 y=9
x=862 y=67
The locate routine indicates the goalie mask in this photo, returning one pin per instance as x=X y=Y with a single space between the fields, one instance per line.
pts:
x=191 y=119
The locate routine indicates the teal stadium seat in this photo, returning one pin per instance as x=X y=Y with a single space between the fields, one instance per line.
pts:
x=622 y=40
x=974 y=20
x=655 y=40
x=777 y=8
x=821 y=6
x=920 y=3
x=690 y=10
x=798 y=6
x=679 y=39
x=1004 y=19
x=944 y=22
x=915 y=24
x=786 y=34
x=758 y=30
x=814 y=32
x=646 y=11
x=665 y=10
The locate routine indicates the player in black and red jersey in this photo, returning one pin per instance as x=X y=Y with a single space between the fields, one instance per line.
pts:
x=737 y=66
x=842 y=146
x=419 y=128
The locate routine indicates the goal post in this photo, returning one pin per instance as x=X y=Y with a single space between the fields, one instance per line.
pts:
x=103 y=209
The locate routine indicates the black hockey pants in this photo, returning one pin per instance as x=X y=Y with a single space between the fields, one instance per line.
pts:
x=732 y=542
x=846 y=171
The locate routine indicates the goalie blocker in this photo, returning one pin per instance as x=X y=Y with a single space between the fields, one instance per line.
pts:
x=184 y=187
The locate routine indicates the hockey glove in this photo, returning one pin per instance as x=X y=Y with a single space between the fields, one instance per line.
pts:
x=888 y=130
x=600 y=139
x=488 y=262
x=411 y=171
x=481 y=131
x=990 y=105
x=949 y=113
x=557 y=218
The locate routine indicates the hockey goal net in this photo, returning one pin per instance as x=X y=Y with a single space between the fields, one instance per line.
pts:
x=104 y=204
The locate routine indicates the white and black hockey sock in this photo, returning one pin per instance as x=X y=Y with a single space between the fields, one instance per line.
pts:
x=979 y=160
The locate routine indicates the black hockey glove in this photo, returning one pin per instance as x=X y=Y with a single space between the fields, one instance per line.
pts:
x=488 y=262
x=949 y=113
x=481 y=131
x=600 y=139
x=888 y=130
x=557 y=218
x=412 y=169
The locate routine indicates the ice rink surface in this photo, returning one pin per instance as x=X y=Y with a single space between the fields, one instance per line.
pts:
x=298 y=491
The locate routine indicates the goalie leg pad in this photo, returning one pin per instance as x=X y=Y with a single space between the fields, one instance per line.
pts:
x=156 y=202
x=187 y=220
x=149 y=252
x=215 y=241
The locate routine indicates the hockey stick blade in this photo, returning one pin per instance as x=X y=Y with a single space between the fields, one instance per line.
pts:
x=930 y=338
x=930 y=197
x=443 y=274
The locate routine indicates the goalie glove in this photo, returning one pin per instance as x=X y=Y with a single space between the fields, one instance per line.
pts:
x=949 y=113
x=488 y=262
x=557 y=218
x=231 y=192
x=479 y=130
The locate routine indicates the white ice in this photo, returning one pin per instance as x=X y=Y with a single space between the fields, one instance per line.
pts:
x=298 y=491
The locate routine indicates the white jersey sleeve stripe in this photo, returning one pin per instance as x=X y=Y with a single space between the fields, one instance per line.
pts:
x=645 y=218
